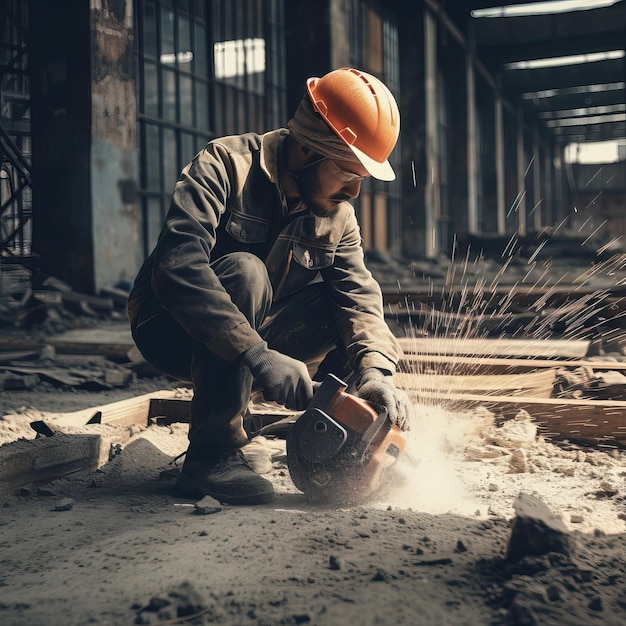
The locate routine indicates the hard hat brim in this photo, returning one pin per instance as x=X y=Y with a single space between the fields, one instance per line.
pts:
x=376 y=169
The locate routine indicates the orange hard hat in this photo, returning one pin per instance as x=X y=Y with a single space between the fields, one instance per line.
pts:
x=362 y=112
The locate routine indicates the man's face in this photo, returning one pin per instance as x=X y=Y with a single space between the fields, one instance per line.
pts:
x=327 y=183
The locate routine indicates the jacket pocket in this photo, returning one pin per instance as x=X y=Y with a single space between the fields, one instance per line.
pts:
x=246 y=229
x=311 y=257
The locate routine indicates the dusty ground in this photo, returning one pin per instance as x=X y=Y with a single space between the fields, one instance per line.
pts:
x=432 y=550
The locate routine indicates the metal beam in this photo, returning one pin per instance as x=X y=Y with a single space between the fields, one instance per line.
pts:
x=516 y=50
x=595 y=132
x=590 y=73
x=472 y=5
x=437 y=10
x=532 y=30
x=562 y=102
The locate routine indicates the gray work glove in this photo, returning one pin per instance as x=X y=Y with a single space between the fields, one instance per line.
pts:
x=377 y=386
x=284 y=380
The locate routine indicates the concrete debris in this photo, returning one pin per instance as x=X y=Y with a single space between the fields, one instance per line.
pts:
x=536 y=530
x=518 y=463
x=180 y=604
x=207 y=506
x=65 y=504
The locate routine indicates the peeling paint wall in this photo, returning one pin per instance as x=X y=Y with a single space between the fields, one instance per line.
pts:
x=114 y=159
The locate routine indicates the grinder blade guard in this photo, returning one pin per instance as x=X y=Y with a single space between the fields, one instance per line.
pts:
x=341 y=447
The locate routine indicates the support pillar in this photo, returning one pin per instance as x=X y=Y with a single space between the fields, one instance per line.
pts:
x=500 y=169
x=472 y=148
x=86 y=220
x=432 y=190
x=521 y=176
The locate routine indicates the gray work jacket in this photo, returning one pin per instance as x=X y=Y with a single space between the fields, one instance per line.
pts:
x=228 y=199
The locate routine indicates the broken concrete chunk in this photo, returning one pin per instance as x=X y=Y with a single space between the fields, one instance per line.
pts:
x=64 y=504
x=16 y=382
x=177 y=605
x=207 y=506
x=536 y=530
x=518 y=463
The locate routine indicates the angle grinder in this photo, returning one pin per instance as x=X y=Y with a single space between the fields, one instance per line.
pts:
x=342 y=447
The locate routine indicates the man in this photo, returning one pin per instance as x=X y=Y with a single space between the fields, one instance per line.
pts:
x=258 y=271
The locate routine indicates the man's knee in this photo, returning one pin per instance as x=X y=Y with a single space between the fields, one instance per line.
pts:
x=245 y=278
x=241 y=267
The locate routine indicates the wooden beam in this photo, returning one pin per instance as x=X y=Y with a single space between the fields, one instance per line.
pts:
x=595 y=422
x=25 y=463
x=524 y=295
x=541 y=348
x=451 y=364
x=110 y=343
x=127 y=412
x=538 y=384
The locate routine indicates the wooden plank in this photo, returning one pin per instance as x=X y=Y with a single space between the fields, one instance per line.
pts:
x=434 y=291
x=121 y=413
x=114 y=344
x=130 y=411
x=7 y=357
x=55 y=375
x=24 y=463
x=111 y=343
x=543 y=348
x=451 y=364
x=94 y=302
x=535 y=384
x=10 y=344
x=596 y=422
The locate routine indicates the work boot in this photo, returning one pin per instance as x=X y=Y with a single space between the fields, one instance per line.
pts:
x=230 y=480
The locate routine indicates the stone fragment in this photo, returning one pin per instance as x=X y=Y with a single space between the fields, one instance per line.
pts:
x=520 y=432
x=536 y=530
x=607 y=490
x=207 y=506
x=64 y=504
x=518 y=463
x=478 y=453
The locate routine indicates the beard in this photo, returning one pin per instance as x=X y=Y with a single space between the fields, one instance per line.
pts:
x=312 y=194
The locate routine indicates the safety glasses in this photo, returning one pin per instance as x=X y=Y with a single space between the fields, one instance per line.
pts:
x=343 y=176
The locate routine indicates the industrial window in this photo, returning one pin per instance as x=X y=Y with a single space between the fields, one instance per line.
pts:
x=15 y=137
x=205 y=69
x=374 y=48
